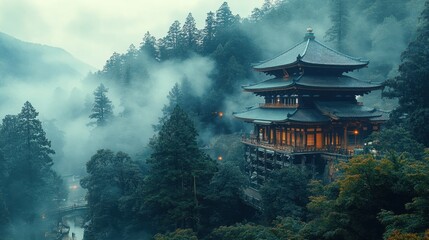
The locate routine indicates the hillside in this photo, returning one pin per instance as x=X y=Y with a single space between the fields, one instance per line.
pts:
x=26 y=61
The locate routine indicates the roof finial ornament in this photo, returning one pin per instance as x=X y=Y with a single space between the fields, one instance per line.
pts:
x=309 y=34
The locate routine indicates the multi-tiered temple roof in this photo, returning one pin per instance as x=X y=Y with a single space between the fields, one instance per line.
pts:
x=310 y=115
x=311 y=74
x=311 y=53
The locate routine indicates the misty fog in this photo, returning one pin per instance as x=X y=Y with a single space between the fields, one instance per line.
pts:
x=65 y=101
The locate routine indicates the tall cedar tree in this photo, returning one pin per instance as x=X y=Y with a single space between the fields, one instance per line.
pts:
x=411 y=85
x=171 y=46
x=27 y=159
x=190 y=33
x=102 y=109
x=148 y=45
x=340 y=24
x=179 y=175
x=175 y=98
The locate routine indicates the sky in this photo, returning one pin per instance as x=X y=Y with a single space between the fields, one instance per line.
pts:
x=92 y=30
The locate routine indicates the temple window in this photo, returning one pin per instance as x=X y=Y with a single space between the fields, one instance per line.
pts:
x=310 y=139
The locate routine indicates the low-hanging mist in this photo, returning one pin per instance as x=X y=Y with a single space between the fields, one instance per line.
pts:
x=65 y=104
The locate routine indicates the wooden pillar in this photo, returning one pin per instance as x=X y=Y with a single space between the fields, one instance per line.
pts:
x=304 y=138
x=294 y=137
x=345 y=137
x=265 y=163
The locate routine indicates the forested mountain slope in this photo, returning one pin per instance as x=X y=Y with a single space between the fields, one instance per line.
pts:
x=26 y=61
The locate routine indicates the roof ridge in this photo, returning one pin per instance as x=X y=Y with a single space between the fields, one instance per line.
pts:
x=306 y=47
x=340 y=53
x=262 y=62
x=291 y=115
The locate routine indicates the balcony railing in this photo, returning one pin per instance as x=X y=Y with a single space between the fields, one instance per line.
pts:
x=296 y=149
x=277 y=105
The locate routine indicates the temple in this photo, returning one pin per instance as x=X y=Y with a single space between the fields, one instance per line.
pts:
x=310 y=115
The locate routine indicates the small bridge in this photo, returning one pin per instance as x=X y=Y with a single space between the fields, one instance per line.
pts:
x=73 y=210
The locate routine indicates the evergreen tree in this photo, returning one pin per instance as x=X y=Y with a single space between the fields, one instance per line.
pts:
x=285 y=193
x=209 y=33
x=190 y=34
x=113 y=185
x=340 y=23
x=224 y=17
x=226 y=207
x=171 y=46
x=178 y=177
x=175 y=98
x=102 y=109
x=411 y=85
x=27 y=159
x=132 y=66
x=149 y=46
x=113 y=69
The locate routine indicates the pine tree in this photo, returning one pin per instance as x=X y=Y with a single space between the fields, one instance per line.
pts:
x=102 y=109
x=175 y=98
x=35 y=144
x=411 y=85
x=190 y=34
x=224 y=17
x=171 y=46
x=113 y=69
x=149 y=46
x=27 y=155
x=179 y=175
x=340 y=24
x=209 y=33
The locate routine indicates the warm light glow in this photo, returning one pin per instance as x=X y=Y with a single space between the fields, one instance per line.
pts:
x=356 y=132
x=73 y=187
x=219 y=158
x=220 y=114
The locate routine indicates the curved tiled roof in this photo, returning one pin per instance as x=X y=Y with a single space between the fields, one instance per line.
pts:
x=311 y=52
x=342 y=110
x=270 y=115
x=342 y=82
x=266 y=114
x=324 y=112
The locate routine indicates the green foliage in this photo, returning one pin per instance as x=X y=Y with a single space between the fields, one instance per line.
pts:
x=191 y=34
x=102 y=109
x=285 y=193
x=395 y=140
x=224 y=206
x=410 y=85
x=179 y=175
x=340 y=24
x=148 y=45
x=175 y=98
x=242 y=232
x=288 y=228
x=114 y=183
x=178 y=234
x=375 y=198
x=28 y=186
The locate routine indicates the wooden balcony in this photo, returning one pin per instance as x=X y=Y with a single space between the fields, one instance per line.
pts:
x=277 y=105
x=296 y=149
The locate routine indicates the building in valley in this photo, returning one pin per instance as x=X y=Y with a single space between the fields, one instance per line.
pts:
x=310 y=115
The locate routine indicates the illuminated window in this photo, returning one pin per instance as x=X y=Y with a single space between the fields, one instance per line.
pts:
x=310 y=139
x=319 y=139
